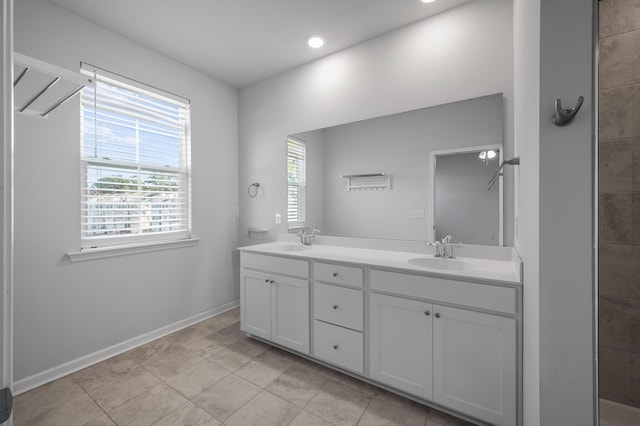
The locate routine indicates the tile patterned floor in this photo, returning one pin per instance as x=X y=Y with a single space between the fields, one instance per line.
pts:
x=211 y=374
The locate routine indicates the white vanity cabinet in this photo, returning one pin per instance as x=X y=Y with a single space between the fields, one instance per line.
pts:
x=401 y=344
x=338 y=301
x=274 y=300
x=459 y=358
x=448 y=339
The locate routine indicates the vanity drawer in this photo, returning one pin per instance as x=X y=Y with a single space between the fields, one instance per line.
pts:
x=338 y=305
x=481 y=296
x=277 y=265
x=339 y=346
x=338 y=274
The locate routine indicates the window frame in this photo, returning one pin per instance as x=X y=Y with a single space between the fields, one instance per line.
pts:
x=301 y=187
x=182 y=171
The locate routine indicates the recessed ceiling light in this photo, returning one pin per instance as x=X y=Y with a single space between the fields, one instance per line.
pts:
x=427 y=1
x=316 y=41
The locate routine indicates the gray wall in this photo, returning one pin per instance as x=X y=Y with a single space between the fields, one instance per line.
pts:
x=469 y=54
x=66 y=311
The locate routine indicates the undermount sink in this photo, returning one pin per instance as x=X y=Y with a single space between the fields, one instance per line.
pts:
x=441 y=263
x=293 y=247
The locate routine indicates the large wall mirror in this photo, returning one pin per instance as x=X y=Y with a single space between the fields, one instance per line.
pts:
x=377 y=178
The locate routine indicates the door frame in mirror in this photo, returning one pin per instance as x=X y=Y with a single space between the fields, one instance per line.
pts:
x=431 y=211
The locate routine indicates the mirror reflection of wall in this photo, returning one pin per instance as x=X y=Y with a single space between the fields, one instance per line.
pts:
x=397 y=145
x=461 y=187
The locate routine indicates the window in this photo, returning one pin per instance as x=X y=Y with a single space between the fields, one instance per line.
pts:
x=296 y=179
x=135 y=162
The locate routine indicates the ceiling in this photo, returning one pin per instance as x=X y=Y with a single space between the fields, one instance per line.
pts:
x=241 y=42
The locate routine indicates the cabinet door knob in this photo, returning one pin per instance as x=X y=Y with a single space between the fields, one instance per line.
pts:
x=335 y=347
x=437 y=315
x=335 y=274
x=335 y=306
x=267 y=280
x=272 y=281
x=427 y=313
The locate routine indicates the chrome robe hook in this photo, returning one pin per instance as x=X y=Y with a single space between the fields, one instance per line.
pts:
x=564 y=117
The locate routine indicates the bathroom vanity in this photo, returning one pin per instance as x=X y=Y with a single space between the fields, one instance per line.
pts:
x=444 y=332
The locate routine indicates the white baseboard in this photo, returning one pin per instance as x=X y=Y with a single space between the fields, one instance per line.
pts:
x=39 y=379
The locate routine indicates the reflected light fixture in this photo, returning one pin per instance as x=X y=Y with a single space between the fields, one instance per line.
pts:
x=487 y=155
x=427 y=1
x=316 y=41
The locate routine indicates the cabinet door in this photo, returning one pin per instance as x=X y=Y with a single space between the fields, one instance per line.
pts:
x=290 y=313
x=474 y=364
x=401 y=339
x=255 y=303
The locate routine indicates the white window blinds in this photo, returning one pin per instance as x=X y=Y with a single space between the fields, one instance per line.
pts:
x=135 y=163
x=296 y=178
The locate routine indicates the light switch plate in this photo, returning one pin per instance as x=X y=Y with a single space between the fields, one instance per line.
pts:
x=416 y=214
x=278 y=218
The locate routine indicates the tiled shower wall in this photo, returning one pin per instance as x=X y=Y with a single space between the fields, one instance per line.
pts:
x=619 y=200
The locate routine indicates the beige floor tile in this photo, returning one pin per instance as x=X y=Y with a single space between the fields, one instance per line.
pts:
x=225 y=397
x=438 y=418
x=233 y=332
x=208 y=345
x=172 y=361
x=94 y=376
x=148 y=407
x=265 y=409
x=195 y=379
x=187 y=334
x=237 y=355
x=352 y=382
x=386 y=409
x=339 y=404
x=149 y=351
x=101 y=421
x=265 y=368
x=221 y=321
x=298 y=385
x=315 y=367
x=74 y=412
x=188 y=415
x=30 y=405
x=305 y=418
x=111 y=392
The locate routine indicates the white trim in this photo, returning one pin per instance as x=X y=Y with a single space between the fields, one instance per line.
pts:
x=38 y=379
x=6 y=199
x=125 y=250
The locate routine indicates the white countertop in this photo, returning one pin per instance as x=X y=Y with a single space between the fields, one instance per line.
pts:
x=477 y=268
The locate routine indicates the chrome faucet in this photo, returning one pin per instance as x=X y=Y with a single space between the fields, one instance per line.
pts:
x=449 y=247
x=307 y=239
x=445 y=248
x=438 y=248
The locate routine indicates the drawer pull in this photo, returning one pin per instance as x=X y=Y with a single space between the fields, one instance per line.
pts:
x=271 y=282
x=437 y=315
x=335 y=347
x=335 y=274
x=335 y=306
x=267 y=280
x=427 y=313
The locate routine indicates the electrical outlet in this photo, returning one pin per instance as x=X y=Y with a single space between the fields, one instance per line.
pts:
x=278 y=218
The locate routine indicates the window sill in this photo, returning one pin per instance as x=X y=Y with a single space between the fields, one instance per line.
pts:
x=125 y=250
